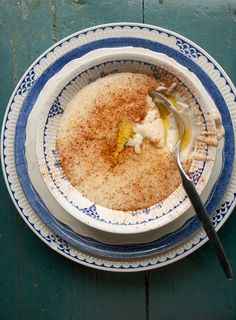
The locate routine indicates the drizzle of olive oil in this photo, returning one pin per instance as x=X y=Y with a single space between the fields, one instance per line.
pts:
x=187 y=132
x=186 y=138
x=173 y=101
x=125 y=131
x=163 y=113
x=164 y=117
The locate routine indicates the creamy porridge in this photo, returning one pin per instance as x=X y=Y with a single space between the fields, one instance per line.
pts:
x=114 y=143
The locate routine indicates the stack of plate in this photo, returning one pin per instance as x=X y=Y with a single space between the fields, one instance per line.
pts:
x=75 y=226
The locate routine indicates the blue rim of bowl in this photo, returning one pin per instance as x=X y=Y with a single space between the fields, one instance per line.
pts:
x=92 y=246
x=91 y=211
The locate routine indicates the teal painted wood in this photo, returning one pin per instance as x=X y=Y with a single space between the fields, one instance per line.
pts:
x=71 y=16
x=55 y=288
x=17 y=51
x=195 y=287
x=211 y=24
x=8 y=221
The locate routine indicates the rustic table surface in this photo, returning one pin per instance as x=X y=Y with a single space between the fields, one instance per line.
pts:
x=36 y=282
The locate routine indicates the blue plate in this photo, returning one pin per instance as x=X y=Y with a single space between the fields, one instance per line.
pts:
x=89 y=245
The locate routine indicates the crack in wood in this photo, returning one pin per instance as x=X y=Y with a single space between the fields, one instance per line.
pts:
x=54 y=21
x=14 y=60
x=142 y=11
x=147 y=294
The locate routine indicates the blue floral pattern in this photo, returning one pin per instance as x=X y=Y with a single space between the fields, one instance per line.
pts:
x=91 y=211
x=188 y=50
x=61 y=244
x=222 y=211
x=55 y=109
x=195 y=176
x=27 y=83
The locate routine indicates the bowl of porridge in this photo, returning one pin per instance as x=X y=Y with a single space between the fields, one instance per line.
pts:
x=104 y=147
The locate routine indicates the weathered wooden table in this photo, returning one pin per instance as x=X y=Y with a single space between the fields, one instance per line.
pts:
x=36 y=282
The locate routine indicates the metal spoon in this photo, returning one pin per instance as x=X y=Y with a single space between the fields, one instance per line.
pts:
x=191 y=190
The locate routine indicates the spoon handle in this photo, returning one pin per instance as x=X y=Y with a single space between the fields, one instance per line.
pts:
x=191 y=190
x=206 y=223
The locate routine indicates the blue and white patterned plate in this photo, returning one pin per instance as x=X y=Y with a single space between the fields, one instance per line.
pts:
x=188 y=54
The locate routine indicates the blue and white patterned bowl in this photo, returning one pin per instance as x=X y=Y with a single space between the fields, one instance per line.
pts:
x=54 y=98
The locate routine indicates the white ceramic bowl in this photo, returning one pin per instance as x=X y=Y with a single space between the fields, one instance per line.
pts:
x=54 y=98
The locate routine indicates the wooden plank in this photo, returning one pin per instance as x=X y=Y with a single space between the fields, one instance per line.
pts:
x=54 y=287
x=22 y=40
x=211 y=24
x=9 y=255
x=39 y=282
x=75 y=15
x=9 y=245
x=32 y=32
x=195 y=288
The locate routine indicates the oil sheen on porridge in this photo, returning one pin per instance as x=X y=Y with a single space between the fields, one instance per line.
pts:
x=112 y=143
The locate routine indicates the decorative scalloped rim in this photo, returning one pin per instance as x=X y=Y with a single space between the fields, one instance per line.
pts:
x=211 y=67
